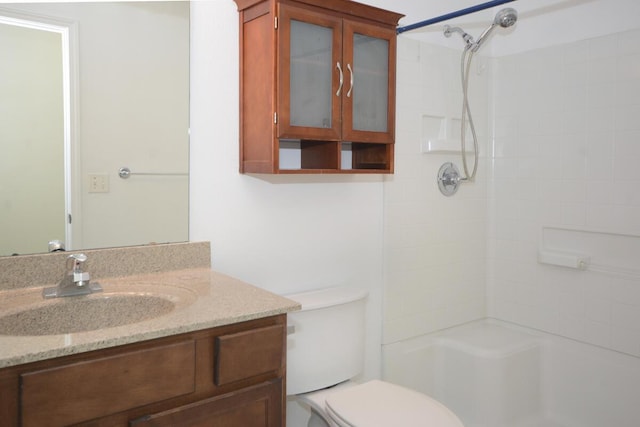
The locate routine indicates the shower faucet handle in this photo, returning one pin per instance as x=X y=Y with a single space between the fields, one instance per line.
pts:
x=449 y=179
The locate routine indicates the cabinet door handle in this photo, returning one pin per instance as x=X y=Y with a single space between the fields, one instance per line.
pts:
x=341 y=78
x=351 y=73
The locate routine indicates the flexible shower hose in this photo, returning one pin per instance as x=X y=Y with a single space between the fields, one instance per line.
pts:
x=465 y=65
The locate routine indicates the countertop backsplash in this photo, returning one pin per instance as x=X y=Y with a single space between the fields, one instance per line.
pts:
x=25 y=271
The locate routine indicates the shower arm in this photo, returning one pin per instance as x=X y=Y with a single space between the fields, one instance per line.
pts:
x=473 y=45
x=448 y=30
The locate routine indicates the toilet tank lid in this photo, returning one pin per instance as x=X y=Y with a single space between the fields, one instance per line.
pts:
x=321 y=298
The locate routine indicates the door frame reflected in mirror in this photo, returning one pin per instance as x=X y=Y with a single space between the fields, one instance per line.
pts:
x=67 y=30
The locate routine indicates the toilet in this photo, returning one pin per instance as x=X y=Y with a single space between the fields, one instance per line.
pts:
x=325 y=351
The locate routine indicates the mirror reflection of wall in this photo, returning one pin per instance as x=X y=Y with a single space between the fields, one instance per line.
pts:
x=31 y=138
x=132 y=100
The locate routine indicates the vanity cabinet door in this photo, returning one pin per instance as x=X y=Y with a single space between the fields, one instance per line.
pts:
x=258 y=406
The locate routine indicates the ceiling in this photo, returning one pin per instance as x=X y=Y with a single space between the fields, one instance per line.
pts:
x=541 y=23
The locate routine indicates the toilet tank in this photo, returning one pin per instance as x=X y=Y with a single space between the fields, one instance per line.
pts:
x=325 y=345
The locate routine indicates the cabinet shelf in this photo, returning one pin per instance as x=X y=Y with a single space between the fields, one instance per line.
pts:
x=324 y=157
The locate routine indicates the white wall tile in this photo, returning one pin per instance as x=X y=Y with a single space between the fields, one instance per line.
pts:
x=574 y=214
x=603 y=47
x=626 y=117
x=576 y=74
x=599 y=156
x=600 y=118
x=584 y=169
x=601 y=71
x=435 y=264
x=628 y=68
x=601 y=95
x=599 y=192
x=629 y=42
x=626 y=339
x=563 y=151
x=577 y=52
x=599 y=310
x=627 y=155
x=628 y=92
x=626 y=193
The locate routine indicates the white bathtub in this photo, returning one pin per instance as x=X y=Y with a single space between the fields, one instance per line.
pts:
x=494 y=374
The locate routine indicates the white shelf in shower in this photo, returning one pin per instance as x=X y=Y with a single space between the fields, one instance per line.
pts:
x=444 y=146
x=563 y=259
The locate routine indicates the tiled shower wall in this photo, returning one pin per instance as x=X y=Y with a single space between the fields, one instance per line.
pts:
x=435 y=260
x=566 y=154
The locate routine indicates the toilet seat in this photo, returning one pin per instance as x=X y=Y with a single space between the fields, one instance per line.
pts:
x=381 y=404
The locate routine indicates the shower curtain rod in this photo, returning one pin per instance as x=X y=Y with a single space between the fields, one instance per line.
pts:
x=452 y=15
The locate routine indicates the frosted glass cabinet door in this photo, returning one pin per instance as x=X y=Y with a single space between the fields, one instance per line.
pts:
x=370 y=107
x=370 y=83
x=310 y=81
x=310 y=73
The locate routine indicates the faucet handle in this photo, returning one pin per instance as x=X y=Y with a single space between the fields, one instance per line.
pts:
x=74 y=261
x=74 y=267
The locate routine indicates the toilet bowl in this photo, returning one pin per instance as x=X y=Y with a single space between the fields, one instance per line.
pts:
x=325 y=352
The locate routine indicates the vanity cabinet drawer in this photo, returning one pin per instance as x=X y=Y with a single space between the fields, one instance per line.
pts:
x=257 y=406
x=243 y=355
x=85 y=390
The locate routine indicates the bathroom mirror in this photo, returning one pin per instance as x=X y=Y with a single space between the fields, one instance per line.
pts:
x=103 y=85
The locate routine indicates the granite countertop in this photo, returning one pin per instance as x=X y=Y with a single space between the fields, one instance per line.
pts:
x=205 y=299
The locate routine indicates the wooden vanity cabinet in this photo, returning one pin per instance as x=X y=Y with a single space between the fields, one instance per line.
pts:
x=227 y=376
x=317 y=87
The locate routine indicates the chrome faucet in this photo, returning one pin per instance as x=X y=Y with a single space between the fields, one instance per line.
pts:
x=75 y=280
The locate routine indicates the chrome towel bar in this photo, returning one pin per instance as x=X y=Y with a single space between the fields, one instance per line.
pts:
x=125 y=172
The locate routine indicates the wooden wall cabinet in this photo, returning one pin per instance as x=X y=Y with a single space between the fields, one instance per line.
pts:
x=317 y=87
x=228 y=376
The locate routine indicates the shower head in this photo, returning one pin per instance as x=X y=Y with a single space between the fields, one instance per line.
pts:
x=504 y=18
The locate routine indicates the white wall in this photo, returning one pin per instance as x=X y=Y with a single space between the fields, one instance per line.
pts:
x=285 y=234
x=132 y=110
x=132 y=116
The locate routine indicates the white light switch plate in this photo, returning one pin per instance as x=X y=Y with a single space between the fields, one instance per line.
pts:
x=98 y=183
